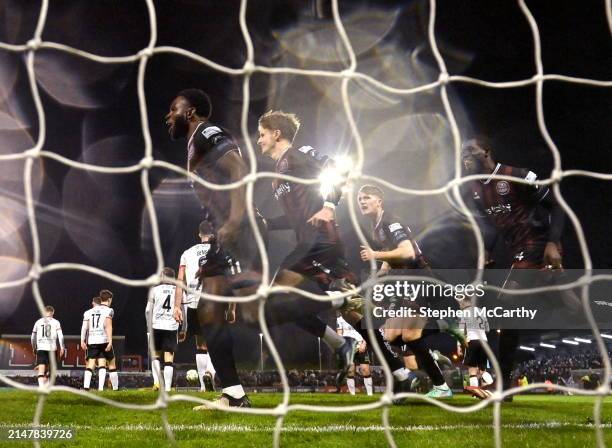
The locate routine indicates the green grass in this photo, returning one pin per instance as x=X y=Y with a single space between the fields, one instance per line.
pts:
x=531 y=421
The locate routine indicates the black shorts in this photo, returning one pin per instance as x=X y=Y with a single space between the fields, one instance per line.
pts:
x=193 y=323
x=322 y=262
x=362 y=358
x=406 y=351
x=165 y=340
x=475 y=355
x=529 y=257
x=42 y=357
x=238 y=257
x=98 y=351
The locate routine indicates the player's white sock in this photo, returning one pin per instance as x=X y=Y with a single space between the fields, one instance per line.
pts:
x=486 y=378
x=367 y=382
x=155 y=370
x=350 y=383
x=201 y=362
x=473 y=380
x=114 y=378
x=401 y=374
x=168 y=371
x=234 y=391
x=101 y=377
x=333 y=339
x=41 y=380
x=87 y=378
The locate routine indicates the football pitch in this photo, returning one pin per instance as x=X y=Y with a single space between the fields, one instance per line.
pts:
x=530 y=421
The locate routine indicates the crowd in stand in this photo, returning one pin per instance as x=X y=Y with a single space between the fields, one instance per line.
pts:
x=557 y=367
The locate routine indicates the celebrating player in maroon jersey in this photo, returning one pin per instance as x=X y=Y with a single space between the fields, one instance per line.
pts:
x=526 y=215
x=393 y=245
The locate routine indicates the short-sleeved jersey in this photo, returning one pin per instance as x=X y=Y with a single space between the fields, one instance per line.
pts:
x=474 y=326
x=347 y=329
x=162 y=298
x=194 y=257
x=96 y=318
x=387 y=235
x=208 y=144
x=513 y=207
x=45 y=333
x=299 y=201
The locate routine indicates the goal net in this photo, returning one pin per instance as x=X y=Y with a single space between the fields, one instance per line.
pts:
x=351 y=52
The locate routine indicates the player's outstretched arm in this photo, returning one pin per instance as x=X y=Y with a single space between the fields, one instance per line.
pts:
x=236 y=169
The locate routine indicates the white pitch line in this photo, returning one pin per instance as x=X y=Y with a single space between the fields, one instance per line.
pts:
x=226 y=428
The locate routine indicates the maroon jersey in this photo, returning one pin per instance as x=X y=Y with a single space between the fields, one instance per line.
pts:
x=300 y=201
x=387 y=235
x=207 y=145
x=513 y=207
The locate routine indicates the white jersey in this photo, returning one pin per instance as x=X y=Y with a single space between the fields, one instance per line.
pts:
x=474 y=326
x=191 y=260
x=162 y=299
x=97 y=323
x=347 y=329
x=45 y=334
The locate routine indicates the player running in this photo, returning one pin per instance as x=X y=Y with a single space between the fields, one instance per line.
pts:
x=397 y=250
x=97 y=340
x=527 y=216
x=46 y=333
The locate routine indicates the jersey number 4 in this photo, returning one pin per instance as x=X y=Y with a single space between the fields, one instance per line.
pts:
x=166 y=304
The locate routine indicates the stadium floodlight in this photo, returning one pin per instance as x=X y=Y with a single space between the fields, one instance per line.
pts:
x=335 y=175
x=585 y=341
x=567 y=341
x=527 y=349
x=606 y=336
x=543 y=344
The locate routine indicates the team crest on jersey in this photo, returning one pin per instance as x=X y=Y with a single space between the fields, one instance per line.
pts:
x=283 y=166
x=502 y=187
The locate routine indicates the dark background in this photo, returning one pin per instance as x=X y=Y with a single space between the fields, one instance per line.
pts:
x=92 y=115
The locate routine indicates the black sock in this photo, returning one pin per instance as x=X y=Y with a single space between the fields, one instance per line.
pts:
x=221 y=348
x=508 y=341
x=425 y=361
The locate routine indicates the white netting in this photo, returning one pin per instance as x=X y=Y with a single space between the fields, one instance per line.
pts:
x=346 y=75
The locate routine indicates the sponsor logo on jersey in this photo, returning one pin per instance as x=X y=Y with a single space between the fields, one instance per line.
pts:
x=282 y=190
x=502 y=187
x=395 y=226
x=305 y=149
x=501 y=208
x=210 y=131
